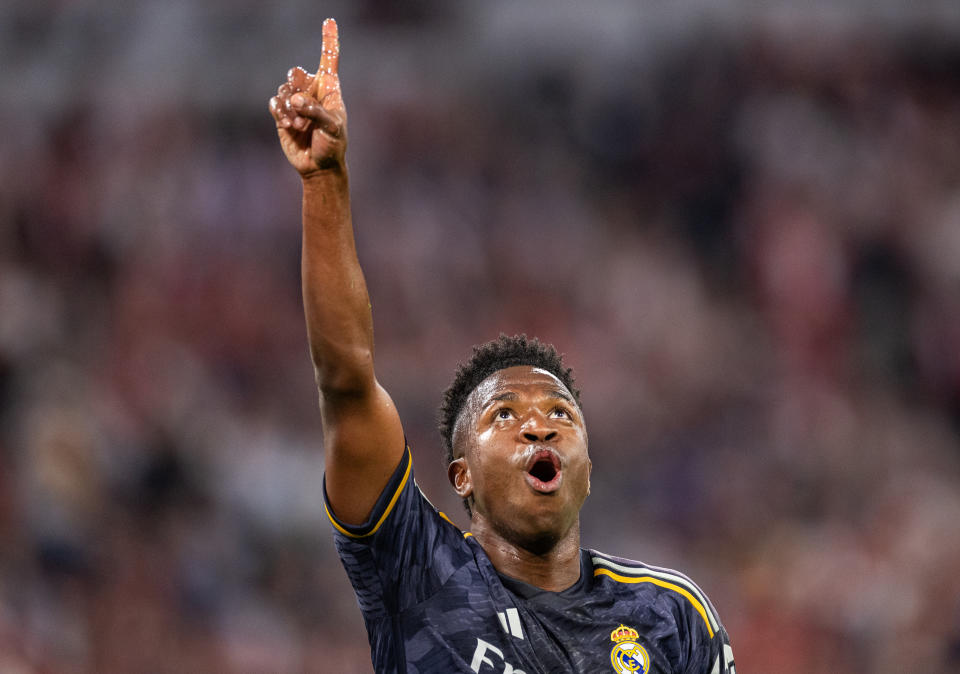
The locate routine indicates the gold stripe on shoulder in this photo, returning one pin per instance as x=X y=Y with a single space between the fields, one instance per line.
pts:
x=656 y=581
x=443 y=516
x=386 y=512
x=666 y=575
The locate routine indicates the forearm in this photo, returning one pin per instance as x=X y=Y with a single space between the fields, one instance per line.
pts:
x=363 y=437
x=336 y=303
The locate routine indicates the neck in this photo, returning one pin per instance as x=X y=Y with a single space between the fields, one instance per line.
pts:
x=553 y=569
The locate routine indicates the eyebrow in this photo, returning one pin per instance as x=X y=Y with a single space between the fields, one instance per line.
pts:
x=558 y=393
x=512 y=397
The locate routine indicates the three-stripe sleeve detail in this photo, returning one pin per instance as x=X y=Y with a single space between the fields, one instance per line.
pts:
x=663 y=578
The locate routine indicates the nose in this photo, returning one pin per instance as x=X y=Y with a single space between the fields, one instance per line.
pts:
x=537 y=428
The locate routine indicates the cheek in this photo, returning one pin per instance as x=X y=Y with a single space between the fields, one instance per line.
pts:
x=484 y=472
x=483 y=451
x=488 y=469
x=483 y=438
x=583 y=466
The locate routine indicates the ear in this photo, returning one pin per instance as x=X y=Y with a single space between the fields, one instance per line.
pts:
x=459 y=475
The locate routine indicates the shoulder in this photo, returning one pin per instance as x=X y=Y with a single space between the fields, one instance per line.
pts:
x=403 y=526
x=405 y=551
x=668 y=585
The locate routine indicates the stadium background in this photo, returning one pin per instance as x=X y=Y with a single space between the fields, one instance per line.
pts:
x=740 y=221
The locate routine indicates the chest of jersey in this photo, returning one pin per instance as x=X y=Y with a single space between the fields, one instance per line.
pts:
x=433 y=602
x=500 y=631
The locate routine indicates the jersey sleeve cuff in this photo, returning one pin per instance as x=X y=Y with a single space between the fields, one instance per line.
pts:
x=384 y=505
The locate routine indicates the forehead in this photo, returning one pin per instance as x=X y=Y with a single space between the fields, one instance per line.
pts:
x=518 y=379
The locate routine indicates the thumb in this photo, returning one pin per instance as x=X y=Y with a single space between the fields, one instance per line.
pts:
x=309 y=107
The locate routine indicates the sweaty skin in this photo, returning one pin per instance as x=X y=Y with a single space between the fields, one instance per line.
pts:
x=520 y=444
x=528 y=527
x=363 y=437
x=514 y=420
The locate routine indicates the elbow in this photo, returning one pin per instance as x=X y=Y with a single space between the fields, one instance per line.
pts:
x=347 y=375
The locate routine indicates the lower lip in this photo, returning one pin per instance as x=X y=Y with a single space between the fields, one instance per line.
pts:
x=544 y=487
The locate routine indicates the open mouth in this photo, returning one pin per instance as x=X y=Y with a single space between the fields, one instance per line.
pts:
x=543 y=471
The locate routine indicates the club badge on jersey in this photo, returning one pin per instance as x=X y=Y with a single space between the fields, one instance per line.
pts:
x=627 y=656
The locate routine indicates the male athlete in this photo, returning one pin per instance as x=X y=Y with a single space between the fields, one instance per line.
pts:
x=516 y=595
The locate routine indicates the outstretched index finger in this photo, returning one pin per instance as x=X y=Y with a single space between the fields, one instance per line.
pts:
x=327 y=79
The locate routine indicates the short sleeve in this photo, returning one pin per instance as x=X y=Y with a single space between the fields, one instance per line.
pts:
x=405 y=550
x=710 y=648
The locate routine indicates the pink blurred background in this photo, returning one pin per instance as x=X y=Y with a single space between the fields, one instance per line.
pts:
x=741 y=223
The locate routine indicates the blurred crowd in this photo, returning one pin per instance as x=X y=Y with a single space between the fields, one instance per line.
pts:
x=742 y=230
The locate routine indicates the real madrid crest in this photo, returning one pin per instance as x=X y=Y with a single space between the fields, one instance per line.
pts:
x=628 y=657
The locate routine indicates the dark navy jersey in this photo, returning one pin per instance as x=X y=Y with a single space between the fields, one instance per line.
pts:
x=433 y=604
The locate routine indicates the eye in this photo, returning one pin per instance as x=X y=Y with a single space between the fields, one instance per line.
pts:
x=503 y=413
x=561 y=413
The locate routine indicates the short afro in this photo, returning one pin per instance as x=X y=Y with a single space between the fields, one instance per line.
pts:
x=491 y=357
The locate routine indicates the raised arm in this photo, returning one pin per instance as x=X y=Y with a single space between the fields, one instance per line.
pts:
x=363 y=438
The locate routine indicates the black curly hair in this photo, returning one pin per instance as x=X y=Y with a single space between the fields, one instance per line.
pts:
x=487 y=358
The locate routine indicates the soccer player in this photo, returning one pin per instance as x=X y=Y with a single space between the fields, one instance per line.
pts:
x=517 y=594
